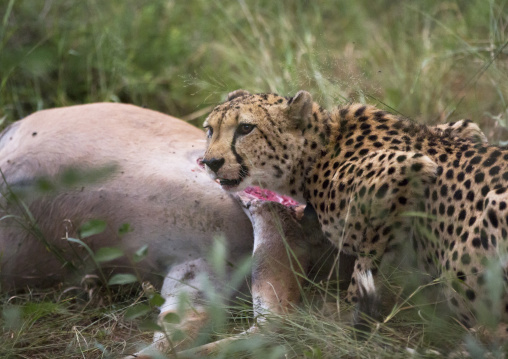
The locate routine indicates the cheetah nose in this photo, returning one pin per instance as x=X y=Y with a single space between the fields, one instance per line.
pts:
x=214 y=163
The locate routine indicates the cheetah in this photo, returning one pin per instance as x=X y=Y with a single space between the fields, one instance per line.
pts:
x=367 y=173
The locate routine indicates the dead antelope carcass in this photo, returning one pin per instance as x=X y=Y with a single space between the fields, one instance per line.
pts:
x=156 y=187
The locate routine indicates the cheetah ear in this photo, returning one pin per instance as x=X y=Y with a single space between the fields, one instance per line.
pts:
x=237 y=93
x=300 y=108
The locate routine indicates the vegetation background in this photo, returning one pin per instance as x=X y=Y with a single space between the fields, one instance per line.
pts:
x=430 y=60
x=433 y=61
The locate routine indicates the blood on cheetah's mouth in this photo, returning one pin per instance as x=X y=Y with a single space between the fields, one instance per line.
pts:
x=228 y=184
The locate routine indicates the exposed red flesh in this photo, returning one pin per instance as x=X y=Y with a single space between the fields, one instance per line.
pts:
x=268 y=195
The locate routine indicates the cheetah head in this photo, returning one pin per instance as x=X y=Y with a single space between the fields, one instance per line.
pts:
x=256 y=140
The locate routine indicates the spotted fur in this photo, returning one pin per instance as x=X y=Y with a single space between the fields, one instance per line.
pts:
x=364 y=170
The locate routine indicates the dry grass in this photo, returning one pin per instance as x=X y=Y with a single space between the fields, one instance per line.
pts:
x=68 y=323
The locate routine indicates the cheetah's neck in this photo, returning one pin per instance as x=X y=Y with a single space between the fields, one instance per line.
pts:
x=327 y=134
x=315 y=140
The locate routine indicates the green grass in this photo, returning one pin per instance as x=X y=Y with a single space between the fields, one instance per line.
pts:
x=433 y=61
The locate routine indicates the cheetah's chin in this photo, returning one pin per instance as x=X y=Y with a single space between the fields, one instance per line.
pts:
x=229 y=184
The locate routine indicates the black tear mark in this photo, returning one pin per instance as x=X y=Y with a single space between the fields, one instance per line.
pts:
x=244 y=170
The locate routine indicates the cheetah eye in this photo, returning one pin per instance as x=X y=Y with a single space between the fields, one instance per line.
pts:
x=209 y=131
x=244 y=129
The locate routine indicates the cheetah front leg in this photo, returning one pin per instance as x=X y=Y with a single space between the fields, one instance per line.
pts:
x=363 y=293
x=371 y=201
